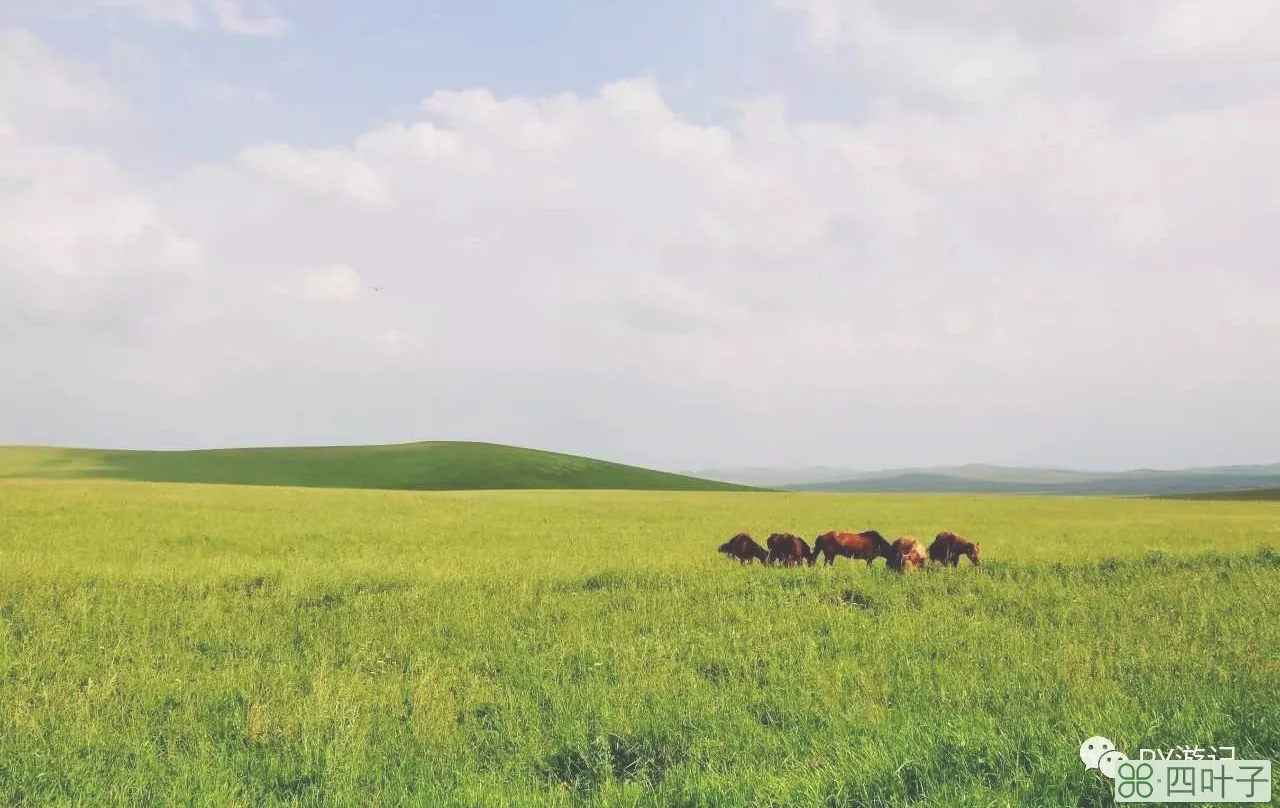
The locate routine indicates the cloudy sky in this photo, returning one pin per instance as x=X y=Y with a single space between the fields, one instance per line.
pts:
x=683 y=233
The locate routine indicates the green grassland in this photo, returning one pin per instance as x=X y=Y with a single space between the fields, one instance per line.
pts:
x=228 y=645
x=424 y=466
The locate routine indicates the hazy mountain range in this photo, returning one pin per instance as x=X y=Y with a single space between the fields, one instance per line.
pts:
x=978 y=478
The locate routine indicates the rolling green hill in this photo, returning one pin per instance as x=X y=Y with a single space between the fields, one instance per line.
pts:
x=427 y=466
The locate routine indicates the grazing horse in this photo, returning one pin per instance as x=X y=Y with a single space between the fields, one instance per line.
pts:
x=908 y=552
x=789 y=549
x=744 y=548
x=866 y=546
x=947 y=548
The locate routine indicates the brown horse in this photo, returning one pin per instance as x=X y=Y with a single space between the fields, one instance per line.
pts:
x=947 y=548
x=744 y=548
x=908 y=552
x=789 y=549
x=866 y=546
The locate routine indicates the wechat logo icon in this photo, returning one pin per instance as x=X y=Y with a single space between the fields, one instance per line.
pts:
x=1101 y=754
x=1093 y=748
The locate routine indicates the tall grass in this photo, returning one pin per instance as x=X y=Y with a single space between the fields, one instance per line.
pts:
x=192 y=645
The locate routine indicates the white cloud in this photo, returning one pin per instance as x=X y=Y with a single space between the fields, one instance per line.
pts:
x=336 y=282
x=607 y=229
x=327 y=172
x=46 y=86
x=1133 y=52
x=999 y=268
x=80 y=244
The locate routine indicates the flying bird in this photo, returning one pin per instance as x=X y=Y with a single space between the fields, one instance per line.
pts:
x=378 y=288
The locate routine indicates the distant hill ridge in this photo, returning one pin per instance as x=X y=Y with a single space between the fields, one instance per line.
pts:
x=989 y=479
x=466 y=465
x=423 y=466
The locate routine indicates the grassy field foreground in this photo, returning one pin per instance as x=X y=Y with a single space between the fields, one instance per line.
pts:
x=190 y=645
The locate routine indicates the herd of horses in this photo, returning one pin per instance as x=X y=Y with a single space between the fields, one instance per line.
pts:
x=906 y=553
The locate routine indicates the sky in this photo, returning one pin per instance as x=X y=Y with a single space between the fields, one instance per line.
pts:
x=679 y=233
